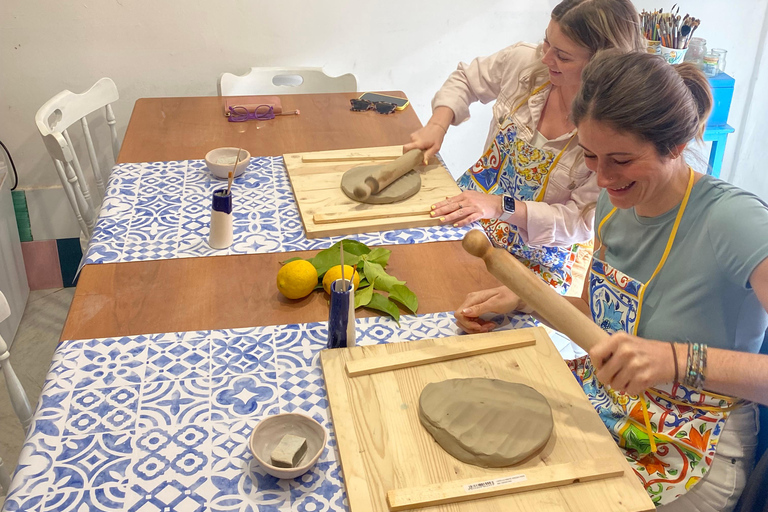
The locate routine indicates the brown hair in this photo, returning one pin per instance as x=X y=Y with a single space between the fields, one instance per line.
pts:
x=641 y=94
x=595 y=25
x=600 y=24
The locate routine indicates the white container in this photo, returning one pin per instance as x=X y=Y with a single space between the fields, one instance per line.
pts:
x=221 y=233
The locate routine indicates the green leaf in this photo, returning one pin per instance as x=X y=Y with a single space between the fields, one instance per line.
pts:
x=384 y=281
x=381 y=303
x=363 y=296
x=324 y=260
x=404 y=296
x=290 y=260
x=363 y=280
x=352 y=247
x=380 y=256
x=681 y=434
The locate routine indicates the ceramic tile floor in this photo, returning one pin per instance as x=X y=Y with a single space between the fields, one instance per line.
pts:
x=31 y=354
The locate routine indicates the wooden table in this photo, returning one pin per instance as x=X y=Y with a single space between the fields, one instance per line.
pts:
x=163 y=129
x=118 y=299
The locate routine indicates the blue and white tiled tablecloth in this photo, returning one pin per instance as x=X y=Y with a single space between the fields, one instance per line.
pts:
x=160 y=422
x=161 y=210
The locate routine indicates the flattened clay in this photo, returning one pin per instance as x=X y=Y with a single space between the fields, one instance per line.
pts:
x=402 y=188
x=486 y=422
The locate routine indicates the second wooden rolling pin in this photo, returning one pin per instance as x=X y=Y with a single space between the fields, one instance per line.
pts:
x=387 y=173
x=547 y=303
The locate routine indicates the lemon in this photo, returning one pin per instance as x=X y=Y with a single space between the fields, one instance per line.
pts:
x=334 y=273
x=297 y=279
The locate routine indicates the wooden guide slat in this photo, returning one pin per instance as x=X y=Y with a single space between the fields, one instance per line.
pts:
x=523 y=480
x=454 y=348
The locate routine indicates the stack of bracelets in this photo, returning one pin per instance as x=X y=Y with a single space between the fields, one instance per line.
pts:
x=696 y=365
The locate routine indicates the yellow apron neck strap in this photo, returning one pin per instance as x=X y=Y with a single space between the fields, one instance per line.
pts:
x=667 y=249
x=534 y=93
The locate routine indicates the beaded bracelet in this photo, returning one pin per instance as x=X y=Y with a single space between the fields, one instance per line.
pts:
x=696 y=365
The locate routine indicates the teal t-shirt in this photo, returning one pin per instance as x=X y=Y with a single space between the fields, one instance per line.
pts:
x=702 y=293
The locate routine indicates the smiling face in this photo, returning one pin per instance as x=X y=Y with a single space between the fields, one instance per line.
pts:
x=631 y=170
x=564 y=57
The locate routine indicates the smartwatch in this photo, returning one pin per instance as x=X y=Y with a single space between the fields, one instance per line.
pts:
x=508 y=207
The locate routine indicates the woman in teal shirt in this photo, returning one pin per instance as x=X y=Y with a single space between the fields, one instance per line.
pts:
x=679 y=277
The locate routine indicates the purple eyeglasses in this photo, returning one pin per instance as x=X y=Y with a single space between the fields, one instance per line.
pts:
x=239 y=114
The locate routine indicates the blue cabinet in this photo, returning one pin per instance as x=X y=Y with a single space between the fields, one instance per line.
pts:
x=717 y=129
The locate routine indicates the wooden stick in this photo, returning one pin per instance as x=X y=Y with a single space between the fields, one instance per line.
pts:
x=343 y=277
x=467 y=346
x=347 y=158
x=554 y=308
x=331 y=215
x=520 y=480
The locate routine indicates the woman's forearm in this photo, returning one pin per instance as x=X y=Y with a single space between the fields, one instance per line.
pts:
x=442 y=117
x=737 y=374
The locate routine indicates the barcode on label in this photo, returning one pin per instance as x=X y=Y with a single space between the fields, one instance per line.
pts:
x=493 y=483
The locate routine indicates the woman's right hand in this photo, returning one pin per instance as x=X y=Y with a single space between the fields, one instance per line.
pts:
x=429 y=139
x=499 y=300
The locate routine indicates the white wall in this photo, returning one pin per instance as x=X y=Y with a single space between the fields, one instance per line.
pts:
x=180 y=47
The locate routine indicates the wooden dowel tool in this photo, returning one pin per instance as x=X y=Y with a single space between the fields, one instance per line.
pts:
x=547 y=303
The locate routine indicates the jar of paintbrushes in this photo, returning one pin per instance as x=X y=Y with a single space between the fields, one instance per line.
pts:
x=667 y=33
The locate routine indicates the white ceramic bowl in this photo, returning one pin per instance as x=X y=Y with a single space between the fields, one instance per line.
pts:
x=268 y=433
x=221 y=170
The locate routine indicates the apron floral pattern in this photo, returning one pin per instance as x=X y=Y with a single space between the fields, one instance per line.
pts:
x=685 y=423
x=512 y=166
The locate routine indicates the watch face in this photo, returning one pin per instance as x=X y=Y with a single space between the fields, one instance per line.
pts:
x=509 y=204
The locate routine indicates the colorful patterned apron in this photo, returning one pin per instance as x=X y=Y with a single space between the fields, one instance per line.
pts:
x=685 y=423
x=512 y=166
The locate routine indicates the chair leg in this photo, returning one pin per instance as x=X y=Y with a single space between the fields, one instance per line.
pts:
x=5 y=477
x=19 y=398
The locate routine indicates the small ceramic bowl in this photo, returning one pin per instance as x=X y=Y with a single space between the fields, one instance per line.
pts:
x=221 y=160
x=268 y=433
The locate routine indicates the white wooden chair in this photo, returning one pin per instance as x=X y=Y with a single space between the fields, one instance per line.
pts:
x=53 y=120
x=15 y=390
x=285 y=81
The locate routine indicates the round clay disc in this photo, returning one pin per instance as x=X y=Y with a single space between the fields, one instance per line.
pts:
x=402 y=188
x=486 y=422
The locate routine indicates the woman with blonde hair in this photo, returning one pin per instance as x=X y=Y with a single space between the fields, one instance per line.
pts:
x=679 y=278
x=530 y=188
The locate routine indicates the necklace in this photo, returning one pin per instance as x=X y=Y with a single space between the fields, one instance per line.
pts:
x=567 y=110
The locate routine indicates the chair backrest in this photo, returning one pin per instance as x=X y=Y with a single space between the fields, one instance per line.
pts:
x=53 y=120
x=285 y=81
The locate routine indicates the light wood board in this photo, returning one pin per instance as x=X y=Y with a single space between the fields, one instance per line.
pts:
x=383 y=447
x=316 y=181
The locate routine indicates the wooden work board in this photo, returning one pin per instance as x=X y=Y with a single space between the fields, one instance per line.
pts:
x=390 y=462
x=326 y=211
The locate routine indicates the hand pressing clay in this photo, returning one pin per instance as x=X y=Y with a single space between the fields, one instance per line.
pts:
x=486 y=422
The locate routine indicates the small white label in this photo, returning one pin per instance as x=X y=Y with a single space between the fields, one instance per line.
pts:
x=494 y=483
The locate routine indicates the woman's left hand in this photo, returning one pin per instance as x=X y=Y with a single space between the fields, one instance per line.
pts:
x=631 y=364
x=467 y=207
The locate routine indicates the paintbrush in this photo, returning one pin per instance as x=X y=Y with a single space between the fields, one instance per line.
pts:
x=343 y=276
x=231 y=176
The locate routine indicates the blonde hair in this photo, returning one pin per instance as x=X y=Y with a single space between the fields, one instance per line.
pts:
x=596 y=25
x=641 y=94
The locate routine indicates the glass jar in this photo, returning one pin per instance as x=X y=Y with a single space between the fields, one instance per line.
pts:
x=710 y=64
x=697 y=49
x=720 y=58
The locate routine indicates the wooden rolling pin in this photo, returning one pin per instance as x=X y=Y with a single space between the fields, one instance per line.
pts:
x=547 y=303
x=387 y=173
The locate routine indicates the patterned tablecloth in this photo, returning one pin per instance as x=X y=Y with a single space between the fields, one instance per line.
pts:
x=160 y=422
x=162 y=210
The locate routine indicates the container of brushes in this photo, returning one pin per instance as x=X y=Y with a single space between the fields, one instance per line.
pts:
x=653 y=47
x=673 y=55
